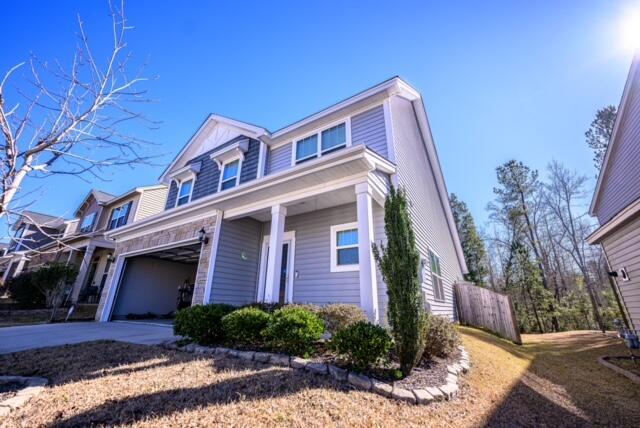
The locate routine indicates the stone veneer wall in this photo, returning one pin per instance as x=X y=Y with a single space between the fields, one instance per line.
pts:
x=164 y=237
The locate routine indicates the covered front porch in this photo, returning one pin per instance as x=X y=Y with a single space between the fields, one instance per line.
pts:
x=308 y=243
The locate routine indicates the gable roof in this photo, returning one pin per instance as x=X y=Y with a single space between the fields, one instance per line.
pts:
x=128 y=193
x=633 y=74
x=389 y=86
x=100 y=197
x=40 y=219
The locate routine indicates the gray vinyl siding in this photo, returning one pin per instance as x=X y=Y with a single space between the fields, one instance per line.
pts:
x=315 y=282
x=621 y=184
x=250 y=163
x=368 y=128
x=623 y=251
x=279 y=159
x=380 y=237
x=237 y=262
x=416 y=175
x=207 y=179
x=151 y=202
x=171 y=195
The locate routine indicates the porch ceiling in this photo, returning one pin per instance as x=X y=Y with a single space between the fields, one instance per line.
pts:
x=326 y=200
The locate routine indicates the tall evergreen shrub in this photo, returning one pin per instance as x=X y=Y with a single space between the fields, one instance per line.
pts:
x=399 y=262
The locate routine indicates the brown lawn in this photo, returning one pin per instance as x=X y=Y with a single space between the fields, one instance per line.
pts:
x=553 y=380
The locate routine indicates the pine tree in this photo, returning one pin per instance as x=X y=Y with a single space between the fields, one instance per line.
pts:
x=399 y=262
x=472 y=245
x=599 y=133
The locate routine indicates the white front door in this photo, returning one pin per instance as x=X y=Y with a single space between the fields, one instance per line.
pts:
x=285 y=294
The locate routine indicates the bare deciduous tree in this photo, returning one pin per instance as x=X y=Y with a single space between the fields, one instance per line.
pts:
x=71 y=121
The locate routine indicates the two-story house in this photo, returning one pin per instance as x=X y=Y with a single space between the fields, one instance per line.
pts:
x=616 y=201
x=31 y=231
x=290 y=215
x=83 y=242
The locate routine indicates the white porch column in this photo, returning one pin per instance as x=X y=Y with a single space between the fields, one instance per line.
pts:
x=274 y=259
x=82 y=273
x=368 y=282
x=5 y=275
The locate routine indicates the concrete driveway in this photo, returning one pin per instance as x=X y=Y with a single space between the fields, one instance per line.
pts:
x=13 y=339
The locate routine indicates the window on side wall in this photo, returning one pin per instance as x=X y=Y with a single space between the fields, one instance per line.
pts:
x=436 y=277
x=87 y=222
x=119 y=216
x=184 y=192
x=230 y=175
x=344 y=247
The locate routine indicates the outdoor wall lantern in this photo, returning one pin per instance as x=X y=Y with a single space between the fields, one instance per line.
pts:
x=110 y=258
x=202 y=236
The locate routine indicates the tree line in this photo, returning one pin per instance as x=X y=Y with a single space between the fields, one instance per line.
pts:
x=534 y=245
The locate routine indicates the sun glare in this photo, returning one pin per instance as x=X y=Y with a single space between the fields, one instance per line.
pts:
x=630 y=30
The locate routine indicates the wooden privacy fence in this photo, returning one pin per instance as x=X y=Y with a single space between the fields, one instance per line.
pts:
x=484 y=308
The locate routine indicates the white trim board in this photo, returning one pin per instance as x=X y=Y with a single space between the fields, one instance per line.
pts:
x=290 y=238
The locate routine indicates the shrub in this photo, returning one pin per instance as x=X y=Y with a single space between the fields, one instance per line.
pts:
x=399 y=264
x=244 y=326
x=22 y=289
x=202 y=323
x=363 y=344
x=293 y=330
x=338 y=316
x=264 y=306
x=440 y=336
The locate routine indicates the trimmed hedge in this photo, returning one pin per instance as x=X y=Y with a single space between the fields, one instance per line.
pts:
x=363 y=344
x=440 y=337
x=244 y=326
x=202 y=323
x=293 y=330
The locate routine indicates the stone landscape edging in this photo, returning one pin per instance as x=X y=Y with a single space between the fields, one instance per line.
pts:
x=32 y=386
x=425 y=395
x=626 y=373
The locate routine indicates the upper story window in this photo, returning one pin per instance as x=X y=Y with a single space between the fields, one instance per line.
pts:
x=321 y=143
x=119 y=216
x=230 y=175
x=184 y=192
x=436 y=277
x=87 y=222
x=344 y=247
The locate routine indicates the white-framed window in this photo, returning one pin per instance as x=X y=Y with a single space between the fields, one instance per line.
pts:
x=344 y=247
x=185 y=189
x=87 y=222
x=230 y=175
x=119 y=216
x=436 y=277
x=321 y=142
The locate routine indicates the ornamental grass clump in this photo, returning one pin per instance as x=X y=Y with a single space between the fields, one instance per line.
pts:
x=293 y=331
x=399 y=263
x=337 y=316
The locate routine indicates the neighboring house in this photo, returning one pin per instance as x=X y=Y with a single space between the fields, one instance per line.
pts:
x=289 y=216
x=31 y=231
x=616 y=202
x=84 y=243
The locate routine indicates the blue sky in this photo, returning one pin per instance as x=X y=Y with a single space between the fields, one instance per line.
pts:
x=500 y=79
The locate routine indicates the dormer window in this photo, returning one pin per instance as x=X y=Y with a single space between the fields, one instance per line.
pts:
x=321 y=143
x=87 y=222
x=119 y=216
x=230 y=175
x=184 y=178
x=184 y=192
